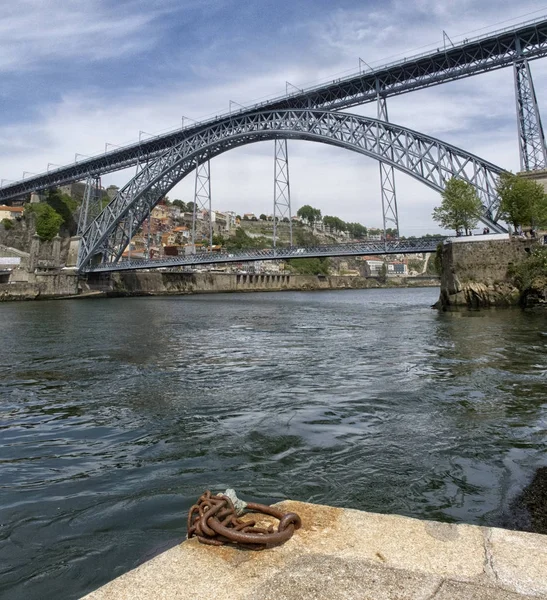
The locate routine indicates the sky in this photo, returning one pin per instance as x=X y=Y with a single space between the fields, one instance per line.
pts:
x=81 y=76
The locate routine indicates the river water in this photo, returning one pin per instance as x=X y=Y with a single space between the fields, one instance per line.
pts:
x=115 y=415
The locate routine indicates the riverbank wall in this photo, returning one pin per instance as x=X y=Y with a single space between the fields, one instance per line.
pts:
x=343 y=553
x=42 y=286
x=66 y=283
x=476 y=272
x=173 y=283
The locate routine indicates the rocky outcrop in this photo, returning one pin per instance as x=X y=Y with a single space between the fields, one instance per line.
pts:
x=477 y=274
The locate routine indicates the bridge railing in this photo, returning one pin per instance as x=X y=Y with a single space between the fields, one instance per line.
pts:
x=375 y=247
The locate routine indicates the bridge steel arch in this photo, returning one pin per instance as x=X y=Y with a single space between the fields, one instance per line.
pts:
x=425 y=158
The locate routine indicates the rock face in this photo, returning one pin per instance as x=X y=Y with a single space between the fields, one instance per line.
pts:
x=475 y=273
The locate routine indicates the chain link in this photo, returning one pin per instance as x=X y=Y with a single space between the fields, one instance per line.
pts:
x=213 y=520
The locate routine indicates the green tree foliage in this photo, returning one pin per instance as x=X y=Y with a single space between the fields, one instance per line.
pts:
x=309 y=214
x=48 y=221
x=181 y=204
x=65 y=206
x=522 y=201
x=309 y=266
x=263 y=217
x=356 y=230
x=7 y=223
x=334 y=224
x=190 y=207
x=460 y=208
x=382 y=275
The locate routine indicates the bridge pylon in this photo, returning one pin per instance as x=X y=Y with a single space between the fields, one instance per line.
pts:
x=387 y=178
x=533 y=153
x=91 y=204
x=202 y=203
x=282 y=188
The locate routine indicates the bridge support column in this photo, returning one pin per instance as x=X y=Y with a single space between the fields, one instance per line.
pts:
x=533 y=153
x=282 y=188
x=202 y=202
x=91 y=204
x=387 y=179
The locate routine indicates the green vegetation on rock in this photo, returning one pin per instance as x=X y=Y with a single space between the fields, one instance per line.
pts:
x=241 y=241
x=7 y=223
x=48 y=221
x=309 y=266
x=531 y=274
x=64 y=206
x=460 y=208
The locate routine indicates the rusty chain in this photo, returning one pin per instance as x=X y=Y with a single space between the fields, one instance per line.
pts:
x=213 y=520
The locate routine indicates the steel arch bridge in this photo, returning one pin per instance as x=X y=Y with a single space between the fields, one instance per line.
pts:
x=425 y=158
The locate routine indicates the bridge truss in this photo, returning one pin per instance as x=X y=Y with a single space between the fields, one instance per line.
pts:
x=519 y=44
x=369 y=247
x=425 y=158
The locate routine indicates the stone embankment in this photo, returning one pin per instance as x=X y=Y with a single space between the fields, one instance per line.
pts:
x=348 y=554
x=476 y=271
x=65 y=283
x=134 y=283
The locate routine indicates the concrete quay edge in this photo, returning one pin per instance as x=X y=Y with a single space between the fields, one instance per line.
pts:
x=346 y=554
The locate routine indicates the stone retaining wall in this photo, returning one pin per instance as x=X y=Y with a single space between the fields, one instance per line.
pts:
x=136 y=283
x=475 y=274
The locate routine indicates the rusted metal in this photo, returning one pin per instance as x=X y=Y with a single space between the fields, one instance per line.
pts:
x=213 y=520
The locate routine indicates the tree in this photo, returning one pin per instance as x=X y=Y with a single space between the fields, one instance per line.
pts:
x=263 y=217
x=309 y=214
x=63 y=205
x=334 y=224
x=190 y=207
x=382 y=274
x=286 y=220
x=522 y=201
x=48 y=221
x=7 y=223
x=460 y=207
x=181 y=204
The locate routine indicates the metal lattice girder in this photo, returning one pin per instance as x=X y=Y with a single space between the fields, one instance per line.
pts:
x=364 y=248
x=533 y=154
x=425 y=158
x=91 y=204
x=492 y=51
x=202 y=223
x=282 y=188
x=387 y=180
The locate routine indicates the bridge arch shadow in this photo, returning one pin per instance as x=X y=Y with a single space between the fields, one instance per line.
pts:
x=425 y=158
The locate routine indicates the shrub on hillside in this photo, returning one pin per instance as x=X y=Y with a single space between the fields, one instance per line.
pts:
x=48 y=221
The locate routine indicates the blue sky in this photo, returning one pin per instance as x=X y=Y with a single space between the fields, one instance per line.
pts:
x=78 y=74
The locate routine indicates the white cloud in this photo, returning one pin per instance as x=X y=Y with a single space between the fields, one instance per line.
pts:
x=477 y=114
x=36 y=32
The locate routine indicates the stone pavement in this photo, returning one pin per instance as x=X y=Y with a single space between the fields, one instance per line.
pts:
x=344 y=554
